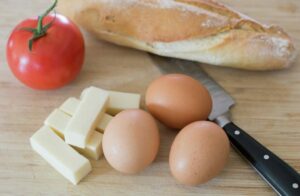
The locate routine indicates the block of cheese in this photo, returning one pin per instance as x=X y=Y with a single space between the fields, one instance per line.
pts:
x=119 y=101
x=70 y=105
x=104 y=122
x=94 y=146
x=87 y=115
x=60 y=155
x=58 y=121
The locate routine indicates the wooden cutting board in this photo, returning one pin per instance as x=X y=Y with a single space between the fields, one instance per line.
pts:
x=268 y=107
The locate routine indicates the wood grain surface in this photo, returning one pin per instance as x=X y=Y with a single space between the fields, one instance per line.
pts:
x=268 y=107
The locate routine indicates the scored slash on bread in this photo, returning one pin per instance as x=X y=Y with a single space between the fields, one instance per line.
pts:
x=199 y=30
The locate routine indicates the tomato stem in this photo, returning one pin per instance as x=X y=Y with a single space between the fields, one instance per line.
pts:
x=40 y=25
x=40 y=30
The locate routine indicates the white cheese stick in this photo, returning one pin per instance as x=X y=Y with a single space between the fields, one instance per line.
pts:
x=70 y=105
x=60 y=155
x=94 y=146
x=119 y=101
x=58 y=121
x=87 y=115
x=106 y=118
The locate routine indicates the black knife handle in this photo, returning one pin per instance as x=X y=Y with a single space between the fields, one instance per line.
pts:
x=282 y=177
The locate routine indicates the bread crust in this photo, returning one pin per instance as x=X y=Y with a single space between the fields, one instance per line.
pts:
x=198 y=30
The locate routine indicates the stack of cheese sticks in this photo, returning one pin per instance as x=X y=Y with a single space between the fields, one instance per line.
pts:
x=73 y=132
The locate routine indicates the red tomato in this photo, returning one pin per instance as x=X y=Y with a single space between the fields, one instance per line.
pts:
x=55 y=59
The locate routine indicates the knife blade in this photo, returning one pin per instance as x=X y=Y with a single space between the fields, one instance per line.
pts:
x=277 y=173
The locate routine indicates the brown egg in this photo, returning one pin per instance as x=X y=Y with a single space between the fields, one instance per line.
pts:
x=131 y=141
x=198 y=153
x=177 y=100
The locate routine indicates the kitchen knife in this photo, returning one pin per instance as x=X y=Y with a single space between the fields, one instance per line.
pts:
x=277 y=173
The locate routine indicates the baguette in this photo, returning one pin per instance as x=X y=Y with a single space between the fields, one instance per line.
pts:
x=197 y=30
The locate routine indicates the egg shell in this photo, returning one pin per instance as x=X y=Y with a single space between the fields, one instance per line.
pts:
x=131 y=141
x=198 y=153
x=177 y=100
